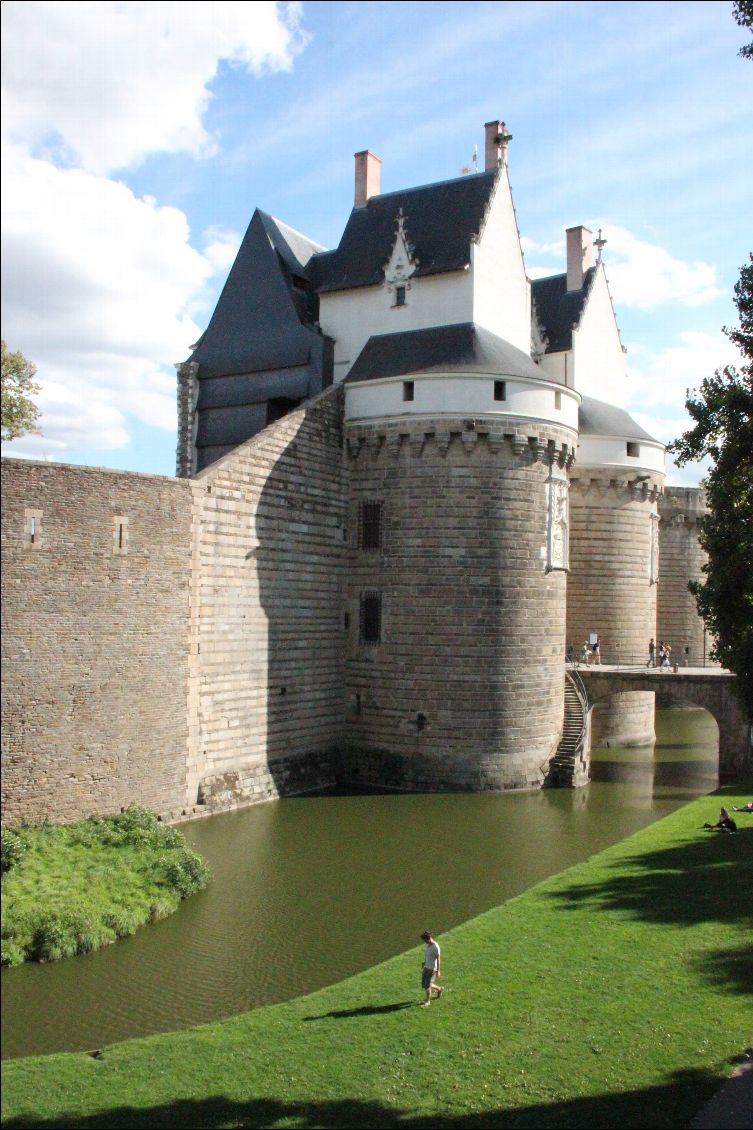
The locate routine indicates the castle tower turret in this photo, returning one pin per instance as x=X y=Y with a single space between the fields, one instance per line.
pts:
x=458 y=450
x=681 y=559
x=614 y=556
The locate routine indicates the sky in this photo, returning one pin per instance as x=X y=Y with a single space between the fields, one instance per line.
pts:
x=137 y=139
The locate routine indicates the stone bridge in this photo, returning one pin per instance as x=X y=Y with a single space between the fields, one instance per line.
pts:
x=711 y=688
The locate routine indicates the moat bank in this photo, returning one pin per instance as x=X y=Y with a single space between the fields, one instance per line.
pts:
x=306 y=892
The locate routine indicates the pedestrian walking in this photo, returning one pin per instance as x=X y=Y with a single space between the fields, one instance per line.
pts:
x=431 y=968
x=651 y=653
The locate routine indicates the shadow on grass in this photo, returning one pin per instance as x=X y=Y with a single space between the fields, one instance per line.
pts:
x=731 y=969
x=709 y=879
x=671 y=1105
x=366 y=1010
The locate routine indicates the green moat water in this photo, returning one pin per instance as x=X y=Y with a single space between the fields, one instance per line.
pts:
x=308 y=891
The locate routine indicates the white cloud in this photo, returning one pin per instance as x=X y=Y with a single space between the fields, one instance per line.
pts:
x=97 y=285
x=103 y=84
x=642 y=275
x=658 y=381
x=100 y=286
x=221 y=247
x=660 y=378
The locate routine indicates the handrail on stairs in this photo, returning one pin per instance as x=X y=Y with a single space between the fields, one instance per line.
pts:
x=571 y=673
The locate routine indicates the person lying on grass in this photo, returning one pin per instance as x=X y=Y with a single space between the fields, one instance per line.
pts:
x=725 y=822
x=745 y=808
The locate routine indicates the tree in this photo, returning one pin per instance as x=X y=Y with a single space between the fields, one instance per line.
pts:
x=742 y=10
x=722 y=409
x=19 y=412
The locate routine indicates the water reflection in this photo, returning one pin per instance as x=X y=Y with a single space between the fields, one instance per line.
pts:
x=308 y=891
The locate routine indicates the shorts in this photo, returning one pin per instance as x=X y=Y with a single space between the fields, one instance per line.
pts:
x=427 y=976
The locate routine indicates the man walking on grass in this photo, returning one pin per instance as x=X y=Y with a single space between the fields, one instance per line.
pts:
x=432 y=968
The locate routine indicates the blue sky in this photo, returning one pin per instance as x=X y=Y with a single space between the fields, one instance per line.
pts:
x=139 y=137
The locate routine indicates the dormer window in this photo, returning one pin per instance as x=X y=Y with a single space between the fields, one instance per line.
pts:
x=401 y=265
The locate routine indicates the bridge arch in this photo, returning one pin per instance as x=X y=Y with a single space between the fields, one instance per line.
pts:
x=711 y=689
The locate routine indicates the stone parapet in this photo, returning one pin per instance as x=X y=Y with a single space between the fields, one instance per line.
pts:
x=537 y=442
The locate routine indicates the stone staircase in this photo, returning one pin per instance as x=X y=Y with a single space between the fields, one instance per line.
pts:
x=569 y=767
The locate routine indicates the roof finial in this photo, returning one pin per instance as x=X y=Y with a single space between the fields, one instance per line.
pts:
x=599 y=243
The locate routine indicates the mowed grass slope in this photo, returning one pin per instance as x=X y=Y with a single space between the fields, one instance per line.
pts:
x=617 y=994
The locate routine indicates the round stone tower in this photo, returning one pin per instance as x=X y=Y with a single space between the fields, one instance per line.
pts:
x=614 y=557
x=681 y=559
x=458 y=448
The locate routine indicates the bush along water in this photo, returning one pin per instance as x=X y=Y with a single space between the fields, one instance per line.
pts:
x=72 y=888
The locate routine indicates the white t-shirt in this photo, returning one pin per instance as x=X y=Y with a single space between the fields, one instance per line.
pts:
x=432 y=956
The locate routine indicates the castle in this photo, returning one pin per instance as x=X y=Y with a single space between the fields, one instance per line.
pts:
x=393 y=511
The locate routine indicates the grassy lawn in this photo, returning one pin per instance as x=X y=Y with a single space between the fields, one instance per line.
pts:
x=72 y=888
x=617 y=994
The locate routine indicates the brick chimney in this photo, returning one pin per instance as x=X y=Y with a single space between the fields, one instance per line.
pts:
x=495 y=149
x=579 y=256
x=368 y=176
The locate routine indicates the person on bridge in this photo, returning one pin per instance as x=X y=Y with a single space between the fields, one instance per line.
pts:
x=596 y=649
x=586 y=656
x=651 y=653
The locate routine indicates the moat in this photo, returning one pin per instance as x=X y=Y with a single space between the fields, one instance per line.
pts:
x=308 y=891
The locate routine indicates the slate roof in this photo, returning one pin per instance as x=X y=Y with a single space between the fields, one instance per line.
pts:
x=261 y=321
x=441 y=221
x=294 y=248
x=463 y=348
x=559 y=310
x=599 y=419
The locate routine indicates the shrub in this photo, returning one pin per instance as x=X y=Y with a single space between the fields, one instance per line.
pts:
x=122 y=922
x=11 y=952
x=52 y=938
x=187 y=874
x=12 y=849
x=160 y=909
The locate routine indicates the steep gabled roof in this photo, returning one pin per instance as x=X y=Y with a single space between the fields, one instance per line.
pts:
x=441 y=221
x=461 y=348
x=559 y=310
x=260 y=322
x=599 y=419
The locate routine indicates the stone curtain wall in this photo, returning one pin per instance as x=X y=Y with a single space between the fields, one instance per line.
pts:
x=267 y=663
x=464 y=689
x=94 y=644
x=681 y=560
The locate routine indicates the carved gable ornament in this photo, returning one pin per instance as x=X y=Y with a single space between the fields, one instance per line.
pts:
x=402 y=263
